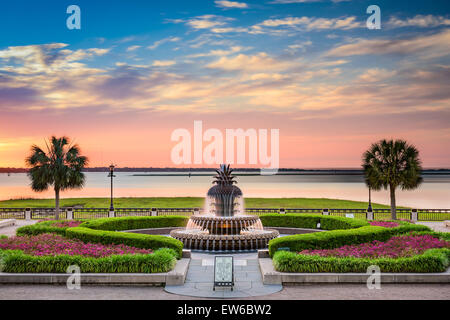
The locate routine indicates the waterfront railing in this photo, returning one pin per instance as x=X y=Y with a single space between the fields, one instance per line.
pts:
x=85 y=213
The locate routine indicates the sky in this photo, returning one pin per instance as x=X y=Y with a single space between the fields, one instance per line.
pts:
x=137 y=71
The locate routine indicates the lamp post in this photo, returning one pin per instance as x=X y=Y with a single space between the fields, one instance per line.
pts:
x=111 y=174
x=370 y=200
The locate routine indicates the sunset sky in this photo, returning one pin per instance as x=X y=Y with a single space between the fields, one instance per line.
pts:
x=138 y=70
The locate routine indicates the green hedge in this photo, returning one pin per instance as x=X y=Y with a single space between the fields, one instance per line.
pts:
x=143 y=241
x=310 y=221
x=103 y=231
x=41 y=227
x=329 y=239
x=132 y=223
x=18 y=262
x=338 y=238
x=433 y=260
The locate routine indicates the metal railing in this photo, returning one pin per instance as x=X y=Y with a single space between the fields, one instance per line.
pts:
x=84 y=213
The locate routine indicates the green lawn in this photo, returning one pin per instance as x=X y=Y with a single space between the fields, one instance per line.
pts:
x=188 y=202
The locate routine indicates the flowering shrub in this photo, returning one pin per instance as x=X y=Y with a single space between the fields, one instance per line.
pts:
x=386 y=224
x=401 y=246
x=47 y=226
x=67 y=224
x=52 y=245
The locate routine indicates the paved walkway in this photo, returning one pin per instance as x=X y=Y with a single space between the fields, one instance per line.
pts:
x=300 y=292
x=11 y=231
x=435 y=225
x=200 y=278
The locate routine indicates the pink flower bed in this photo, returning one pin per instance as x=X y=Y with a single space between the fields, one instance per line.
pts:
x=401 y=246
x=67 y=224
x=386 y=224
x=51 y=245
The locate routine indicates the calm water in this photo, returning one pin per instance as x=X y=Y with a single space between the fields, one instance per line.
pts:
x=433 y=193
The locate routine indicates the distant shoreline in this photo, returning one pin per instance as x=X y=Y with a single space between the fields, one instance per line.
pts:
x=238 y=171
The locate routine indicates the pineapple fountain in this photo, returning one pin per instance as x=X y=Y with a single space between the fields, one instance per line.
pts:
x=224 y=226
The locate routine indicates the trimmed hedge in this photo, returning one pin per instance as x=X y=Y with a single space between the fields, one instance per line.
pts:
x=143 y=241
x=433 y=260
x=104 y=231
x=310 y=221
x=18 y=262
x=132 y=223
x=352 y=231
x=329 y=239
x=42 y=227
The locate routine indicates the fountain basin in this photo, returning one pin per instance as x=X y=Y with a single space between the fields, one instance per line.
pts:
x=248 y=240
x=234 y=233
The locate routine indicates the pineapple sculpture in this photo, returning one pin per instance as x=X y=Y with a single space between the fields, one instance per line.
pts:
x=224 y=176
x=224 y=195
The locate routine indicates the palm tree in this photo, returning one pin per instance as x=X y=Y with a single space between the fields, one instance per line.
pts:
x=59 y=167
x=392 y=164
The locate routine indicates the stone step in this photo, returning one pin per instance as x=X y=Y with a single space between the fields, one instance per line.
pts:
x=210 y=262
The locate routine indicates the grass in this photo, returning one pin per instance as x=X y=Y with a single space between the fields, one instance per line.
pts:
x=188 y=202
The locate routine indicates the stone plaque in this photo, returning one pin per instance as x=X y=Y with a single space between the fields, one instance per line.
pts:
x=223 y=272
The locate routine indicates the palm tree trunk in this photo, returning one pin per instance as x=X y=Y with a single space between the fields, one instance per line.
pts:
x=393 y=205
x=56 y=203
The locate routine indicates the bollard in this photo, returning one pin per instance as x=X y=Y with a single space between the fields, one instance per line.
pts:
x=154 y=212
x=69 y=214
x=28 y=214
x=414 y=215
x=325 y=212
x=369 y=215
x=282 y=211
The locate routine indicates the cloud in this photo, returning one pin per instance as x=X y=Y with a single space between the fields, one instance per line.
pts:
x=46 y=58
x=310 y=24
x=156 y=44
x=163 y=63
x=133 y=48
x=218 y=52
x=376 y=75
x=250 y=63
x=423 y=21
x=206 y=21
x=230 y=4
x=301 y=46
x=428 y=46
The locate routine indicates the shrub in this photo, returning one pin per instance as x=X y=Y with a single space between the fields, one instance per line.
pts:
x=2 y=236
x=133 y=223
x=406 y=227
x=143 y=241
x=395 y=247
x=386 y=224
x=53 y=226
x=330 y=239
x=52 y=244
x=310 y=221
x=433 y=260
x=17 y=262
x=343 y=231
